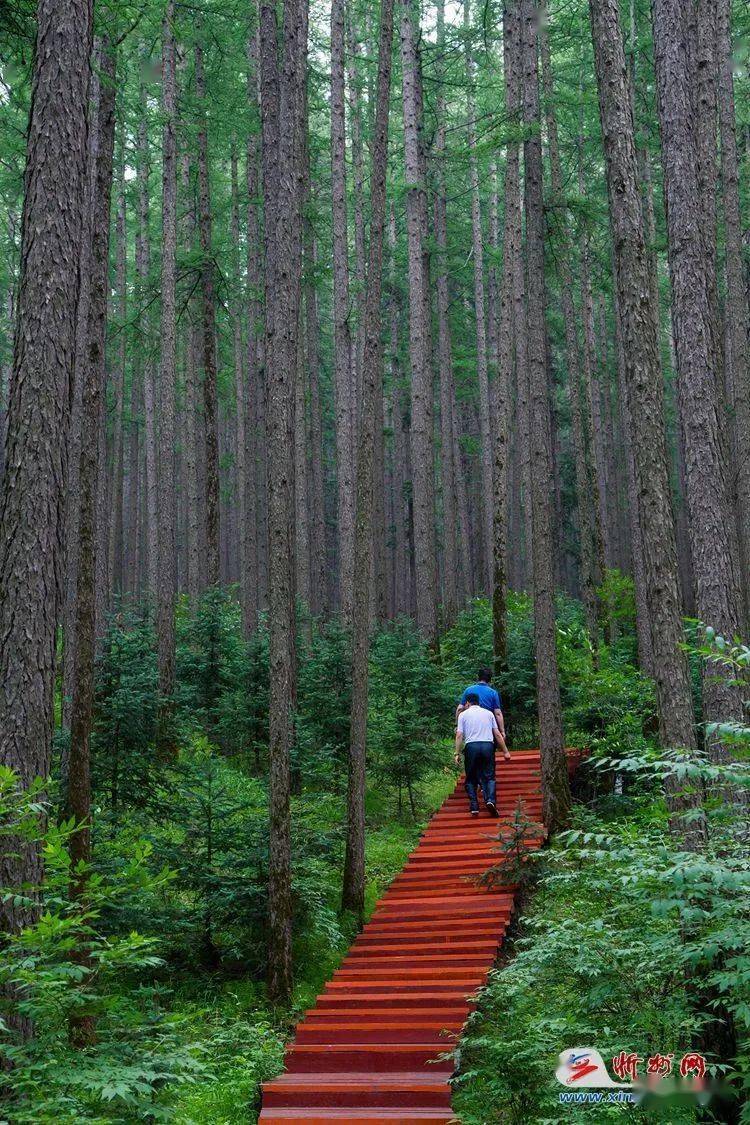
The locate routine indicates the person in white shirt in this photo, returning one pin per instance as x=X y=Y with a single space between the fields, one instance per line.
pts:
x=477 y=732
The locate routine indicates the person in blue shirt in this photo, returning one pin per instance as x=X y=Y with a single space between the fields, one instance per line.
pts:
x=488 y=698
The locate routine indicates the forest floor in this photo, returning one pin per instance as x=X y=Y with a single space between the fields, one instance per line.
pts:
x=232 y=1095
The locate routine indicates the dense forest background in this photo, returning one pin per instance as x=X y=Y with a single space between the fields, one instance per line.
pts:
x=345 y=348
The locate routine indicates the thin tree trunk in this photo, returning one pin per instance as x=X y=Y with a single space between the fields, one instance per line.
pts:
x=485 y=412
x=319 y=599
x=555 y=786
x=143 y=268
x=167 y=586
x=193 y=495
x=505 y=337
x=358 y=168
x=210 y=400
x=587 y=490
x=342 y=341
x=445 y=351
x=423 y=481
x=301 y=500
x=254 y=484
x=78 y=796
x=642 y=622
x=281 y=101
x=353 y=892
x=72 y=508
x=240 y=393
x=117 y=570
x=462 y=502
x=593 y=435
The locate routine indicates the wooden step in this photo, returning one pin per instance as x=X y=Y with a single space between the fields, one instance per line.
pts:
x=370 y=1050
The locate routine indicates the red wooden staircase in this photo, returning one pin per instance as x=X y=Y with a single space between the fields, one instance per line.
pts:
x=368 y=1052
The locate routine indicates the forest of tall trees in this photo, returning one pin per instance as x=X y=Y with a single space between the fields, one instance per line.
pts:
x=333 y=316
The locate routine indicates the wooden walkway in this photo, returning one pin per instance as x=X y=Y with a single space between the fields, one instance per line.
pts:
x=367 y=1052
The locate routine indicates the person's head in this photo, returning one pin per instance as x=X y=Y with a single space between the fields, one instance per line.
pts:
x=472 y=699
x=485 y=675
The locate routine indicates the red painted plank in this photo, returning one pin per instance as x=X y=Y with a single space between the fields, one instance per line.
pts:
x=368 y=1052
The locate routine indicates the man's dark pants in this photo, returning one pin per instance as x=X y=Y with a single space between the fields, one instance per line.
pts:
x=479 y=763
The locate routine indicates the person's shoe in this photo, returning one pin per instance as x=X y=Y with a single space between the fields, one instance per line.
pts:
x=474 y=812
x=491 y=808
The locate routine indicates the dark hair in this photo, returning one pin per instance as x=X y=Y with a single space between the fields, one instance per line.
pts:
x=473 y=699
x=485 y=675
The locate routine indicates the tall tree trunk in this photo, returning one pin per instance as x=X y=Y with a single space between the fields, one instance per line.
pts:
x=319 y=599
x=587 y=488
x=32 y=505
x=208 y=291
x=358 y=168
x=736 y=310
x=116 y=544
x=485 y=412
x=240 y=395
x=143 y=367
x=191 y=467
x=591 y=422
x=255 y=478
x=445 y=350
x=78 y=797
x=281 y=101
x=301 y=500
x=143 y=268
x=692 y=251
x=167 y=584
x=353 y=892
x=642 y=622
x=644 y=384
x=72 y=508
x=555 y=786
x=506 y=335
x=423 y=481
x=342 y=341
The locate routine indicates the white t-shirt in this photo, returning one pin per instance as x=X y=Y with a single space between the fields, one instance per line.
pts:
x=476 y=724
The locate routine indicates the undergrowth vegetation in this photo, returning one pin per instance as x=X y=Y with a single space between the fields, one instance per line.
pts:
x=174 y=925
x=629 y=942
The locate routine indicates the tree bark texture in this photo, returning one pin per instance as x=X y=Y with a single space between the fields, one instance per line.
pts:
x=691 y=244
x=342 y=337
x=353 y=893
x=555 y=786
x=208 y=290
x=32 y=504
x=281 y=102
x=643 y=381
x=167 y=580
x=423 y=482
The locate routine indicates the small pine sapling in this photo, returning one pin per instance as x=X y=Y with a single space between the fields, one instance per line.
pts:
x=518 y=838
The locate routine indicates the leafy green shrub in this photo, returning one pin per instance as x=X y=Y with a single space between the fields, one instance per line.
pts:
x=67 y=965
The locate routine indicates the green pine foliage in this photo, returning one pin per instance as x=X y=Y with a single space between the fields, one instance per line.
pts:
x=630 y=943
x=626 y=942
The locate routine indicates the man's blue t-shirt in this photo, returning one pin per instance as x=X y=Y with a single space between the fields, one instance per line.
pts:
x=488 y=697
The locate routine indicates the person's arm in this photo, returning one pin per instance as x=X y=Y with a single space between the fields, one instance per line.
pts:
x=499 y=739
x=459 y=744
x=461 y=706
x=500 y=721
x=498 y=712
